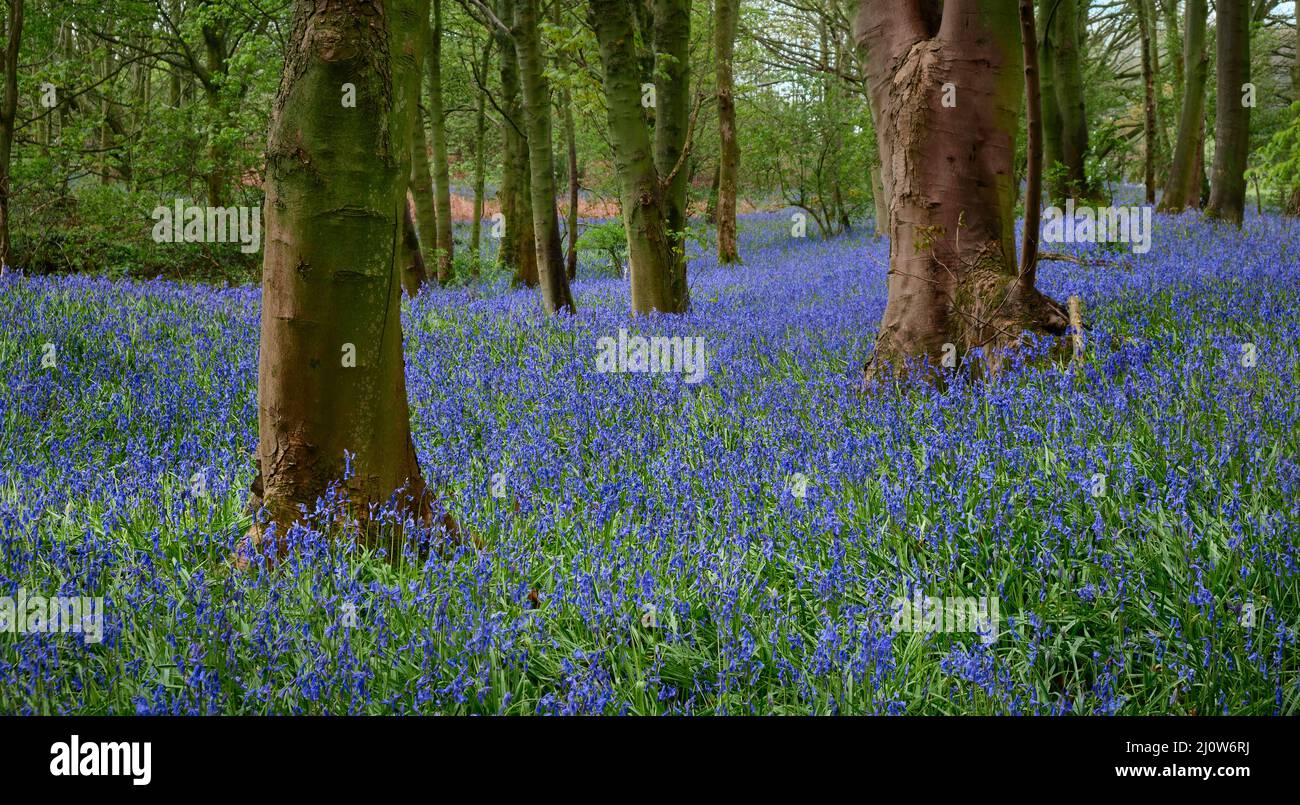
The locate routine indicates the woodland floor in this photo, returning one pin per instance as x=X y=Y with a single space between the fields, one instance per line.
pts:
x=648 y=554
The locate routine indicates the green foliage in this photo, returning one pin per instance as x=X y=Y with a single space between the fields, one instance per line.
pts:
x=608 y=239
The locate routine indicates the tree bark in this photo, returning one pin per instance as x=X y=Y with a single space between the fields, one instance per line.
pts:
x=1149 y=99
x=1181 y=189
x=1232 y=115
x=1065 y=120
x=8 y=116
x=517 y=244
x=724 y=40
x=425 y=222
x=953 y=277
x=672 y=44
x=438 y=140
x=1033 y=142
x=571 y=172
x=537 y=113
x=1293 y=200
x=657 y=275
x=335 y=208
x=480 y=156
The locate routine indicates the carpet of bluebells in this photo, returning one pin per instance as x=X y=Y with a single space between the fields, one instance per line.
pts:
x=649 y=553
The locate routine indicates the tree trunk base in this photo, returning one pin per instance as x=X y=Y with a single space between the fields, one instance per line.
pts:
x=984 y=321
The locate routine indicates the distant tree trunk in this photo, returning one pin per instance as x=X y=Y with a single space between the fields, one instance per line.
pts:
x=1173 y=42
x=571 y=172
x=331 y=378
x=953 y=277
x=537 y=112
x=1065 y=120
x=724 y=40
x=425 y=222
x=214 y=43
x=1033 y=142
x=650 y=208
x=438 y=139
x=1232 y=115
x=1047 y=49
x=1181 y=189
x=711 y=206
x=1149 y=98
x=672 y=44
x=1293 y=201
x=571 y=222
x=8 y=116
x=517 y=247
x=480 y=155
x=413 y=268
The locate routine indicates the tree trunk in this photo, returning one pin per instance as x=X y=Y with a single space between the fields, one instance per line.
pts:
x=8 y=116
x=426 y=219
x=953 y=278
x=672 y=44
x=413 y=268
x=571 y=172
x=657 y=277
x=1181 y=189
x=571 y=223
x=1232 y=115
x=517 y=247
x=480 y=157
x=537 y=113
x=1033 y=142
x=881 y=203
x=421 y=180
x=1047 y=49
x=1149 y=99
x=1293 y=201
x=214 y=44
x=438 y=139
x=1065 y=121
x=331 y=377
x=724 y=40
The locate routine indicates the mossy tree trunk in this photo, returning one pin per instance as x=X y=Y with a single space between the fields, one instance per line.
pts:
x=652 y=205
x=13 y=32
x=425 y=218
x=537 y=114
x=517 y=247
x=1182 y=190
x=331 y=377
x=1065 y=120
x=438 y=142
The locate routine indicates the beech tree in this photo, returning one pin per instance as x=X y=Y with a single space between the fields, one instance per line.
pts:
x=551 y=270
x=518 y=248
x=1065 y=122
x=13 y=31
x=331 y=377
x=1232 y=111
x=650 y=173
x=1182 y=190
x=438 y=143
x=946 y=87
x=724 y=40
